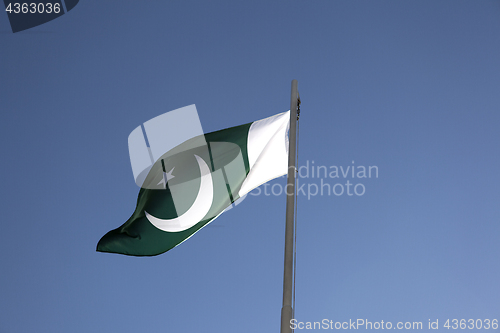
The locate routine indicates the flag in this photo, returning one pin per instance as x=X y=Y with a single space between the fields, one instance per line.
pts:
x=195 y=182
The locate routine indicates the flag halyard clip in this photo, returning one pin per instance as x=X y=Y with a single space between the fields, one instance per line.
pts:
x=298 y=105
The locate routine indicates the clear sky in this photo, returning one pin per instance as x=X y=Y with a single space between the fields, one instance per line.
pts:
x=411 y=87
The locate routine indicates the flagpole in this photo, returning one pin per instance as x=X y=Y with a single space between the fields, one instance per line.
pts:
x=286 y=310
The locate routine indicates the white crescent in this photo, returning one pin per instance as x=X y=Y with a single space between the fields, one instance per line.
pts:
x=198 y=210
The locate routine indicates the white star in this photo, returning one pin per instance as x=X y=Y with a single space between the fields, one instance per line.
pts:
x=166 y=177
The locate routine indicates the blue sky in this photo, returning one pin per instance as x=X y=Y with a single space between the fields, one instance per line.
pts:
x=410 y=87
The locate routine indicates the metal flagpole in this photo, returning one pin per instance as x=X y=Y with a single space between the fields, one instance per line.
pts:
x=286 y=310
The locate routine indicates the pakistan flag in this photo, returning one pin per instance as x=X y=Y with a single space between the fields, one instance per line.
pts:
x=195 y=182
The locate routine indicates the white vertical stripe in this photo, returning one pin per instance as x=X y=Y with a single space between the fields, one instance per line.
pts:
x=267 y=151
